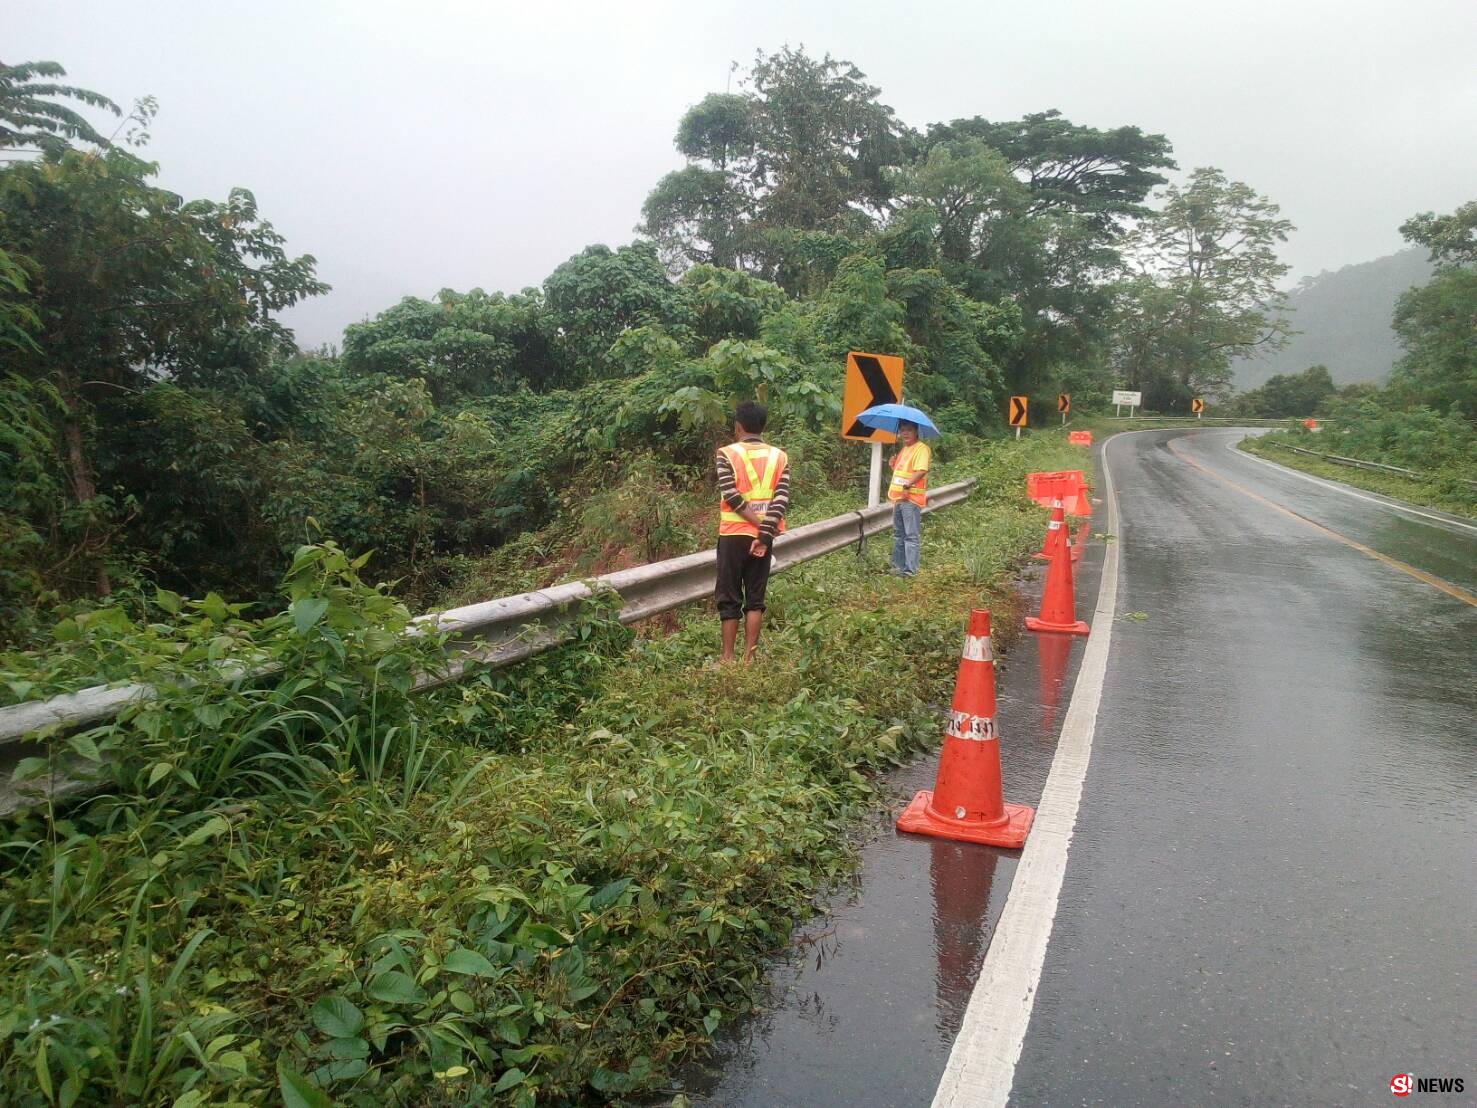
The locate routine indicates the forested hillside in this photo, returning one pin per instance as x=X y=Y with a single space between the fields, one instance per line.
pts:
x=1425 y=418
x=161 y=429
x=1343 y=321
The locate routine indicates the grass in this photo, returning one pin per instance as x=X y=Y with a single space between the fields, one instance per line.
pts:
x=1438 y=491
x=543 y=885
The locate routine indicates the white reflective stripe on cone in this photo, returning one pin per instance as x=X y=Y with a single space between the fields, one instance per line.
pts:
x=977 y=649
x=1054 y=525
x=966 y=725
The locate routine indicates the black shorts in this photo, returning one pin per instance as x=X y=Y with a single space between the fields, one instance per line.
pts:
x=742 y=578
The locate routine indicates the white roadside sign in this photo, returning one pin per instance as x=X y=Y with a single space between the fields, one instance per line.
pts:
x=1131 y=399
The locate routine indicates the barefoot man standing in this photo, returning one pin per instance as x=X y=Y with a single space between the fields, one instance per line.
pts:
x=754 y=493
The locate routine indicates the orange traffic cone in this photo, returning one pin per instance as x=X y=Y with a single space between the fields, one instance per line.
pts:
x=1058 y=519
x=966 y=802
x=1058 y=602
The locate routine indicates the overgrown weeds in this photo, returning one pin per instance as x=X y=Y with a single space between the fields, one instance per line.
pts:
x=542 y=885
x=1445 y=488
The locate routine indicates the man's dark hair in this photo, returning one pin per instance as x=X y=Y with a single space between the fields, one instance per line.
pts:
x=752 y=416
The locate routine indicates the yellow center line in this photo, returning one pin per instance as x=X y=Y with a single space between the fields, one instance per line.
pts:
x=1394 y=563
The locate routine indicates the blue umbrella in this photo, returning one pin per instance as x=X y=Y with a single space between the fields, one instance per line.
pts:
x=886 y=417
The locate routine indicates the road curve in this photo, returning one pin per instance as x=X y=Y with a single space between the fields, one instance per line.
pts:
x=1269 y=893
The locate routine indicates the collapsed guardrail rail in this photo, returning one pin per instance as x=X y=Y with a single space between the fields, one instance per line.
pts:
x=506 y=630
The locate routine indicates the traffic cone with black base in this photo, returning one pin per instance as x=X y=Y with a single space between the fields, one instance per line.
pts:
x=1059 y=601
x=966 y=802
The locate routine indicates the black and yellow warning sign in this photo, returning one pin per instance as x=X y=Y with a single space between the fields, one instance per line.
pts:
x=1197 y=405
x=1063 y=403
x=1019 y=411
x=871 y=379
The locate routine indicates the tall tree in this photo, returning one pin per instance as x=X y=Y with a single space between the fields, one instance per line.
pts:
x=1437 y=322
x=822 y=143
x=1451 y=239
x=30 y=115
x=1052 y=241
x=972 y=193
x=697 y=216
x=600 y=292
x=132 y=284
x=1207 y=289
x=804 y=148
x=1103 y=175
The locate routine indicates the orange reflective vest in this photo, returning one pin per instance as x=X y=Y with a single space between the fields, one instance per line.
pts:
x=756 y=471
x=912 y=461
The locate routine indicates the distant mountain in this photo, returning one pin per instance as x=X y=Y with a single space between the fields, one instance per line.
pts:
x=1344 y=317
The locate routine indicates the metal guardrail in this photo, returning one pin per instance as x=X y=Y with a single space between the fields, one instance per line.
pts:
x=500 y=632
x=1373 y=467
x=495 y=632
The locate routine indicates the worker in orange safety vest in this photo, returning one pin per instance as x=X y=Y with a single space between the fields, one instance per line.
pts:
x=753 y=496
x=908 y=492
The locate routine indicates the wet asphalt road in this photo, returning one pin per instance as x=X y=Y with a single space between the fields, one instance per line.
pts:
x=1269 y=898
x=1269 y=894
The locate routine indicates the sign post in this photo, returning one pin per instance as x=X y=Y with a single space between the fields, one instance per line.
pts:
x=1198 y=407
x=1020 y=408
x=1122 y=397
x=1063 y=405
x=871 y=379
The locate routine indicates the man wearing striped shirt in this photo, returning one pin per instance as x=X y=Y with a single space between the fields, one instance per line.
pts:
x=753 y=496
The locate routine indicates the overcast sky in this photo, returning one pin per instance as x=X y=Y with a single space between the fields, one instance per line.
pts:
x=416 y=146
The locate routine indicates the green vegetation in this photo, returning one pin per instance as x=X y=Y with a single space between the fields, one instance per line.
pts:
x=1441 y=492
x=1289 y=395
x=1425 y=419
x=1437 y=322
x=1442 y=449
x=1206 y=294
x=550 y=881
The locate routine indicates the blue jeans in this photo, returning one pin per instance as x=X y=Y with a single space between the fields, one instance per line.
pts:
x=907 y=518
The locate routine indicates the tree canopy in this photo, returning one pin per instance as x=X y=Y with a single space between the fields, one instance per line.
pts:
x=1437 y=322
x=1206 y=290
x=30 y=114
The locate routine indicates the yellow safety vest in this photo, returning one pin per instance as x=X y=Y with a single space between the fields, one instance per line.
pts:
x=911 y=461
x=756 y=471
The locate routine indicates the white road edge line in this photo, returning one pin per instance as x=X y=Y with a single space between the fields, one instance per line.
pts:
x=1394 y=506
x=981 y=1068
